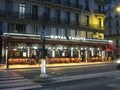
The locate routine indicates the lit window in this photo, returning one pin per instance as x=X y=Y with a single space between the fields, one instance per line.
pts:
x=100 y=23
x=22 y=10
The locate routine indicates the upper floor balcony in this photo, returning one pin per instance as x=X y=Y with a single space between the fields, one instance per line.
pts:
x=112 y=35
x=99 y=11
x=52 y=21
x=75 y=7
x=99 y=1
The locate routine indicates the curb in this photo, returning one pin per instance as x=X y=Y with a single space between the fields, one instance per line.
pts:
x=52 y=65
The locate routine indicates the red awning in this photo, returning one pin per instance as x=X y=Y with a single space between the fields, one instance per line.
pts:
x=110 y=47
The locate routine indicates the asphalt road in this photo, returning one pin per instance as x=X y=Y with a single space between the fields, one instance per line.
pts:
x=101 y=83
x=98 y=83
x=67 y=71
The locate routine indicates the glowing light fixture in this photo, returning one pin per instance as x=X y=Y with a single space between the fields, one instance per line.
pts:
x=35 y=47
x=15 y=49
x=118 y=9
x=72 y=48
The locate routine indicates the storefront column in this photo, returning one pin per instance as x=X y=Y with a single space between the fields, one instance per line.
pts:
x=79 y=53
x=92 y=52
x=86 y=56
x=100 y=53
x=6 y=55
x=28 y=52
x=71 y=53
x=63 y=53
x=53 y=53
x=103 y=55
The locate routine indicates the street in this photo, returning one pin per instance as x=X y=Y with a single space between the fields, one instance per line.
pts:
x=100 y=83
x=107 y=82
x=67 y=70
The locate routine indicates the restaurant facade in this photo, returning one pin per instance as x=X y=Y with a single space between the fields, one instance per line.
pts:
x=58 y=49
x=74 y=31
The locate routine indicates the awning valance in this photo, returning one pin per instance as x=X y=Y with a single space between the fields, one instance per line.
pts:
x=110 y=47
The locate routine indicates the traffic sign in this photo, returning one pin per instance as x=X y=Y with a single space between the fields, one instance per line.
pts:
x=42 y=35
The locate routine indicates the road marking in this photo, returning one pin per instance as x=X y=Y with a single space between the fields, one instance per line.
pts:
x=23 y=88
x=111 y=85
x=13 y=81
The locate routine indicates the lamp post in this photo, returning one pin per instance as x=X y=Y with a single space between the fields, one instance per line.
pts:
x=43 y=78
x=43 y=64
x=117 y=9
x=7 y=52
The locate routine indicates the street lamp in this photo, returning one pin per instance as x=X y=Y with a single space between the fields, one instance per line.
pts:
x=43 y=64
x=8 y=52
x=117 y=9
x=43 y=78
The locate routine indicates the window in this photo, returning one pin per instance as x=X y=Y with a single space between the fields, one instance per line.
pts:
x=87 y=20
x=109 y=7
x=77 y=19
x=110 y=32
x=86 y=5
x=65 y=2
x=78 y=33
x=74 y=3
x=109 y=24
x=89 y=34
x=80 y=6
x=99 y=8
x=34 y=12
x=100 y=22
x=56 y=1
x=53 y=31
x=117 y=15
x=1 y=26
x=117 y=43
x=83 y=34
x=57 y=33
x=22 y=10
x=20 y=28
x=60 y=32
x=117 y=23
x=36 y=30
x=57 y=15
x=117 y=32
x=63 y=32
x=67 y=14
x=11 y=27
x=47 y=11
x=109 y=16
x=9 y=6
x=72 y=33
x=16 y=28
x=77 y=3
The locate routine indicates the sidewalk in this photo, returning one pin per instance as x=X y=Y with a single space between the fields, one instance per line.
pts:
x=3 y=66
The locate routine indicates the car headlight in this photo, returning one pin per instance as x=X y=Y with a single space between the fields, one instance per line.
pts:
x=118 y=61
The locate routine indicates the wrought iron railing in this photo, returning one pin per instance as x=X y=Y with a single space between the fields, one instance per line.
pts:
x=13 y=14
x=98 y=11
x=113 y=35
x=54 y=20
